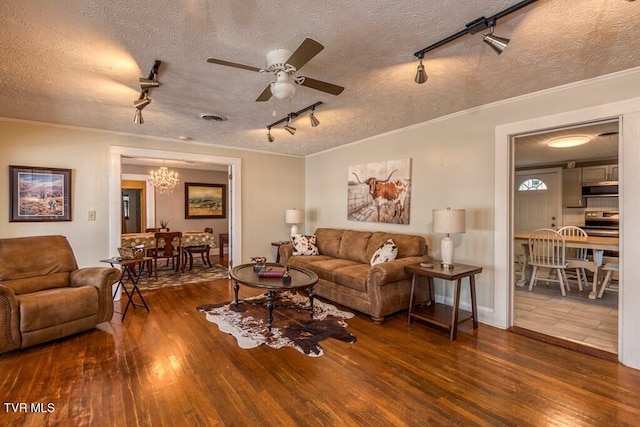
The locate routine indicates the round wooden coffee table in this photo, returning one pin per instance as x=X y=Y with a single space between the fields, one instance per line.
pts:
x=301 y=279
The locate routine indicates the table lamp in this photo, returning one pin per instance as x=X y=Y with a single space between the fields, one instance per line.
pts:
x=294 y=217
x=448 y=221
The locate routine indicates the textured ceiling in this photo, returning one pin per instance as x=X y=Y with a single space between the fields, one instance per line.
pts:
x=77 y=63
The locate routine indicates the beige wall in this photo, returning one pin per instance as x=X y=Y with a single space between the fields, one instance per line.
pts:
x=270 y=184
x=453 y=165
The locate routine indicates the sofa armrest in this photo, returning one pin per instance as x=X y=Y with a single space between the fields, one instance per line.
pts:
x=102 y=278
x=391 y=271
x=286 y=252
x=10 y=338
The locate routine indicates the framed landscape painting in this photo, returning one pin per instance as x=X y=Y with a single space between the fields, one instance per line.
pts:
x=205 y=200
x=39 y=194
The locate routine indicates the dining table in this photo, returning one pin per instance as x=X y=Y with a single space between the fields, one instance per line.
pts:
x=597 y=244
x=148 y=240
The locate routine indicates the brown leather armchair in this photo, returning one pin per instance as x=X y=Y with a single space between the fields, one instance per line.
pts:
x=45 y=296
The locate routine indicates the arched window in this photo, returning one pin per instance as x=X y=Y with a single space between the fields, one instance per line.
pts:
x=532 y=184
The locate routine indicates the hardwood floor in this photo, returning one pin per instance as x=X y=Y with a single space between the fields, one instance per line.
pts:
x=171 y=367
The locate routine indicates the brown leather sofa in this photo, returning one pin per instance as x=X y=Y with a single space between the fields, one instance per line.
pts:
x=45 y=296
x=346 y=276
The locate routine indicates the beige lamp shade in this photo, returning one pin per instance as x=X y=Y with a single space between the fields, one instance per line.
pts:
x=448 y=221
x=294 y=216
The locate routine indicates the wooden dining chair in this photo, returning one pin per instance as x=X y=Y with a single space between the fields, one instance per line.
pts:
x=546 y=250
x=203 y=250
x=576 y=258
x=167 y=246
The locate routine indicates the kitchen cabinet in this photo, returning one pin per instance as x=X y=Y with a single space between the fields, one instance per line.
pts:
x=572 y=188
x=600 y=173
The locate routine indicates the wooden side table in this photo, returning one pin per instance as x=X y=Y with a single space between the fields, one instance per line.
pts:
x=277 y=245
x=438 y=314
x=128 y=269
x=223 y=238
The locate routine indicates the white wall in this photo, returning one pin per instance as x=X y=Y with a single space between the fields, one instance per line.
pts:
x=453 y=166
x=270 y=184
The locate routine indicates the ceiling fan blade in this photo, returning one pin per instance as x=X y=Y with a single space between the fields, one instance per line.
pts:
x=232 y=64
x=303 y=54
x=322 y=86
x=265 y=95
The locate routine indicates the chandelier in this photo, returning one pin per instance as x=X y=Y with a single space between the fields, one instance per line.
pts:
x=163 y=180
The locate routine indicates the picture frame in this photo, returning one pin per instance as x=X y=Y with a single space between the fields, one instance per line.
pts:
x=205 y=200
x=39 y=194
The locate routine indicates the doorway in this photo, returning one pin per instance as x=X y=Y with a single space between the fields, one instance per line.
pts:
x=233 y=165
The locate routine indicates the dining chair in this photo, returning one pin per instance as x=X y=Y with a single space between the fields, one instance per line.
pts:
x=546 y=250
x=610 y=268
x=167 y=246
x=576 y=258
x=203 y=250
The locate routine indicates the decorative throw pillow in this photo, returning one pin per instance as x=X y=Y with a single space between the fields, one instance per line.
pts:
x=388 y=251
x=304 y=245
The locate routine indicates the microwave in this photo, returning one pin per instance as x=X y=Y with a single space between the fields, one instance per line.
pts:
x=600 y=189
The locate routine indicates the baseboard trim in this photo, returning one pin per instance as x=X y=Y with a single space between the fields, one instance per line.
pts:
x=580 y=348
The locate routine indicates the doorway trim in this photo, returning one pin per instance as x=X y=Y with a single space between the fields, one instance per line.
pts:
x=235 y=203
x=628 y=112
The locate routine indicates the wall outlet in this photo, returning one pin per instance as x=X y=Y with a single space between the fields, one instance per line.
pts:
x=92 y=215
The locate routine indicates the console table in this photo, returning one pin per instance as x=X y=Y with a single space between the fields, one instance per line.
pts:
x=445 y=316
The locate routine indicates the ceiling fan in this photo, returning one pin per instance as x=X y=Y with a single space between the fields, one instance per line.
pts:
x=283 y=65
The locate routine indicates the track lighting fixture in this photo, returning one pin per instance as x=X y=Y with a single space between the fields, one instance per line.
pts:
x=137 y=119
x=143 y=101
x=288 y=126
x=145 y=84
x=421 y=75
x=312 y=117
x=291 y=116
x=499 y=44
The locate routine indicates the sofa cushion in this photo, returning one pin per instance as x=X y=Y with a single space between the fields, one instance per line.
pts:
x=353 y=246
x=328 y=241
x=325 y=269
x=39 y=310
x=305 y=260
x=387 y=251
x=354 y=276
x=304 y=245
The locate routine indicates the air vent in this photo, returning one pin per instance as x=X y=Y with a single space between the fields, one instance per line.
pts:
x=212 y=117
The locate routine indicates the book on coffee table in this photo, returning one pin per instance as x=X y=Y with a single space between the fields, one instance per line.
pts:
x=271 y=272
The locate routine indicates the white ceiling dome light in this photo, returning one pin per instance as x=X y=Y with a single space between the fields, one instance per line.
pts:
x=568 y=141
x=283 y=88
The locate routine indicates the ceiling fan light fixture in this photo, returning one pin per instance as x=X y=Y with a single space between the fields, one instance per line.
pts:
x=568 y=141
x=283 y=89
x=421 y=74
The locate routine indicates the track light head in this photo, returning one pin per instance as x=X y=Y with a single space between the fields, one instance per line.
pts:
x=142 y=102
x=137 y=119
x=270 y=138
x=421 y=75
x=290 y=129
x=312 y=117
x=499 y=44
x=146 y=84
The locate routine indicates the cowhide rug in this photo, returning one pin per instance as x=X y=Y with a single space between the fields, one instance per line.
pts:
x=290 y=328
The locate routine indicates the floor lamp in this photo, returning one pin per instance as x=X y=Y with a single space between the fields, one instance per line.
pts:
x=448 y=221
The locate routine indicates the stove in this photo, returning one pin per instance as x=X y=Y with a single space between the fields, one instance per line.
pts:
x=602 y=223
